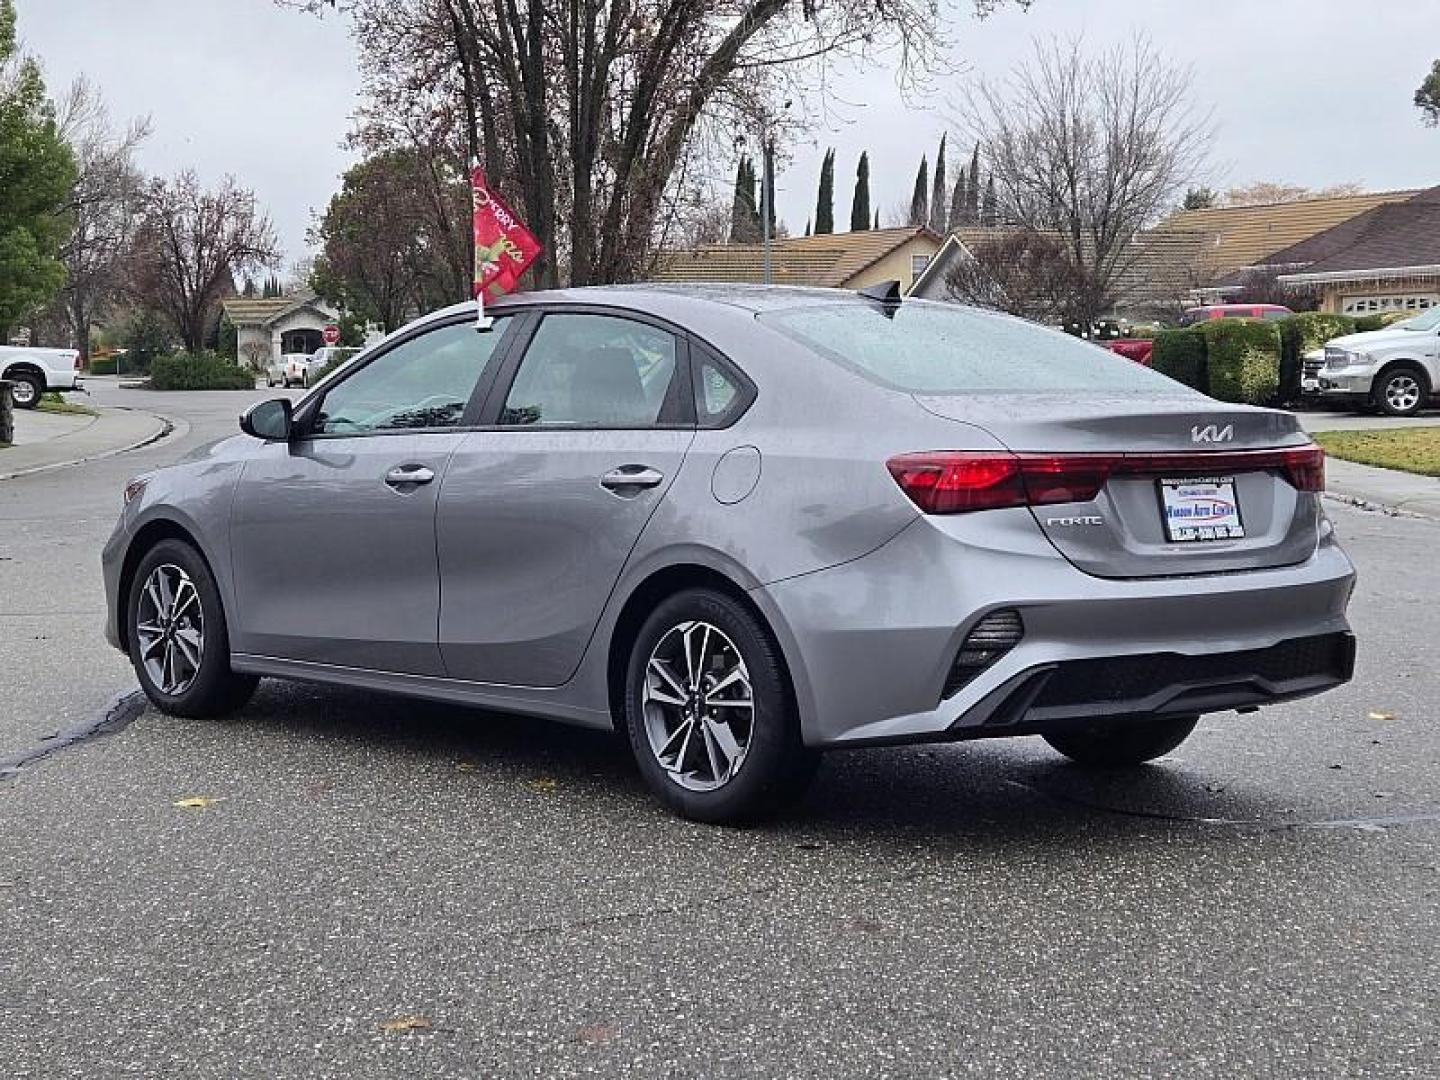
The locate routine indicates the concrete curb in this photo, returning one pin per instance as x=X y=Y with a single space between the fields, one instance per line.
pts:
x=165 y=428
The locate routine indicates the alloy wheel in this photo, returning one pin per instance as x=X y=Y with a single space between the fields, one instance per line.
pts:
x=170 y=629
x=1402 y=392
x=23 y=392
x=698 y=706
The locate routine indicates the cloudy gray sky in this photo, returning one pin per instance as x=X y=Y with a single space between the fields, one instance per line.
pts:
x=1315 y=92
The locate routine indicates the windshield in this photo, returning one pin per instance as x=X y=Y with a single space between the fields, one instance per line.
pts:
x=937 y=348
x=1429 y=321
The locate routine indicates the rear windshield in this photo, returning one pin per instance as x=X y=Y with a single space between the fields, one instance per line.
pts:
x=936 y=348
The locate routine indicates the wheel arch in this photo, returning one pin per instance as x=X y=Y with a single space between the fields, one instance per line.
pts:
x=146 y=537
x=672 y=578
x=1414 y=364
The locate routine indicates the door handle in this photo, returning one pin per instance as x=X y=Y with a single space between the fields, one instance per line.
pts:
x=409 y=474
x=631 y=476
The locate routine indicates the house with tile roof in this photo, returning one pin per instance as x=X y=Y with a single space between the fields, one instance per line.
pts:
x=1242 y=236
x=267 y=329
x=1386 y=259
x=848 y=260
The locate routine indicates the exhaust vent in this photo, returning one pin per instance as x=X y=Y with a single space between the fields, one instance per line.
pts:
x=990 y=639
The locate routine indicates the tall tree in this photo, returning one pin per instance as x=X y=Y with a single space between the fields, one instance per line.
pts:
x=104 y=209
x=990 y=208
x=939 y=192
x=1199 y=198
x=825 y=201
x=956 y=216
x=379 y=259
x=972 y=190
x=767 y=187
x=860 y=204
x=191 y=245
x=1090 y=149
x=589 y=111
x=1427 y=97
x=37 y=178
x=920 y=197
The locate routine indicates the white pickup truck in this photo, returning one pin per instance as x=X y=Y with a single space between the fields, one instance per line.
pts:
x=1395 y=370
x=33 y=371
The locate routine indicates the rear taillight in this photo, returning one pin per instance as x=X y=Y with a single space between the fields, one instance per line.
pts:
x=77 y=361
x=955 y=481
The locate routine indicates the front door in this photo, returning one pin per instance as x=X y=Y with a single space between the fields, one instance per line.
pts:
x=539 y=514
x=333 y=534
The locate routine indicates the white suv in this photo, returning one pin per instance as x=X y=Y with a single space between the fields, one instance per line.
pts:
x=1395 y=369
x=34 y=371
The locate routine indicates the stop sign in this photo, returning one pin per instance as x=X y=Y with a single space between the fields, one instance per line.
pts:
x=331 y=334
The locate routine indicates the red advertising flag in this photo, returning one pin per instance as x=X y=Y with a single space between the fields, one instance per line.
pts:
x=503 y=246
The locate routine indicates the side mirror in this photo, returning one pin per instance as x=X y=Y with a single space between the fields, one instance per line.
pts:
x=269 y=420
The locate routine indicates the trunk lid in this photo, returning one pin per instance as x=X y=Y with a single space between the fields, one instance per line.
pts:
x=1122 y=532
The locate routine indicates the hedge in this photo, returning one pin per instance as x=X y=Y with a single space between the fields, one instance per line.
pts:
x=198 y=371
x=1181 y=355
x=1242 y=359
x=1298 y=335
x=1381 y=319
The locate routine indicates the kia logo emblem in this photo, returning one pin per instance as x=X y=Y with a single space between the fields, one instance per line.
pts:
x=1212 y=433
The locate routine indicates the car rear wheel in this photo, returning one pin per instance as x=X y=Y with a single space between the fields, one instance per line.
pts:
x=179 y=644
x=26 y=389
x=1401 y=391
x=709 y=713
x=1118 y=744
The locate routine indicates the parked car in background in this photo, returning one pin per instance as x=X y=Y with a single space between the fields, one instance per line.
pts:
x=34 y=371
x=293 y=369
x=741 y=525
x=1395 y=370
x=1234 y=311
x=1138 y=349
x=327 y=357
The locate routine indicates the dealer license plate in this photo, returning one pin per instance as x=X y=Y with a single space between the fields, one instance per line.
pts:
x=1201 y=508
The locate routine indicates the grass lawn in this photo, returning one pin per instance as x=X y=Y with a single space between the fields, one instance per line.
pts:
x=1415 y=449
x=55 y=403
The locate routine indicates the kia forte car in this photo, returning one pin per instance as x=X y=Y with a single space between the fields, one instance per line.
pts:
x=743 y=525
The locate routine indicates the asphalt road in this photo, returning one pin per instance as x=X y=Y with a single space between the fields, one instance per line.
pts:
x=1266 y=901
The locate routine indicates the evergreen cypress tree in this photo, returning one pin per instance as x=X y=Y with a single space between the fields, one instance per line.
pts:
x=939 y=191
x=860 y=206
x=920 y=198
x=957 y=203
x=877 y=219
x=767 y=180
x=807 y=227
x=991 y=212
x=825 y=202
x=972 y=190
x=739 y=211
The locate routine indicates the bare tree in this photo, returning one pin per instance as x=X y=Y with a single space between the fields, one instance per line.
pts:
x=588 y=110
x=191 y=246
x=1017 y=271
x=104 y=208
x=1090 y=148
x=256 y=354
x=1264 y=192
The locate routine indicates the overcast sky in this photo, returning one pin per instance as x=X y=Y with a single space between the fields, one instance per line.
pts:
x=1315 y=92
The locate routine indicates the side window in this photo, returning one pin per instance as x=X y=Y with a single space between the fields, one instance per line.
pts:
x=425 y=382
x=592 y=371
x=720 y=394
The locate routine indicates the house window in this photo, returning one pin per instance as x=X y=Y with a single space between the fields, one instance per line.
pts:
x=1370 y=305
x=917 y=265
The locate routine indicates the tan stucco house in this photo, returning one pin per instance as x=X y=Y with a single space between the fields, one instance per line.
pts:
x=267 y=329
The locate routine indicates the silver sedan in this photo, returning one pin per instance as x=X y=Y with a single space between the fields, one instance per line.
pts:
x=743 y=525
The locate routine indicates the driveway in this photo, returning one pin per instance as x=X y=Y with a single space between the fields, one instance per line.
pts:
x=380 y=888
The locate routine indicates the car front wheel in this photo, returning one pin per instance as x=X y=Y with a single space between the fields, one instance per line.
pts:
x=179 y=644
x=709 y=713
x=1118 y=744
x=26 y=389
x=1401 y=392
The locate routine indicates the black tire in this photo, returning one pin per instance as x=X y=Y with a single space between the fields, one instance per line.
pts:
x=775 y=767
x=1401 y=391
x=29 y=388
x=1120 y=744
x=214 y=689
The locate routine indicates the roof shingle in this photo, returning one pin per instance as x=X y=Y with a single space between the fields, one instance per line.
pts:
x=828 y=260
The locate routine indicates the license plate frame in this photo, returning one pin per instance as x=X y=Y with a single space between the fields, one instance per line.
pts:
x=1199 y=509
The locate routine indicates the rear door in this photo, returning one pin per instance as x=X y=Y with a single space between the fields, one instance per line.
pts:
x=540 y=511
x=333 y=534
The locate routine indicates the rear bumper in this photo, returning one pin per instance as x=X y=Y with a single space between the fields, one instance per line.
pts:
x=872 y=642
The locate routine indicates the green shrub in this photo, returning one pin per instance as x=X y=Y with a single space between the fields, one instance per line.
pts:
x=198 y=371
x=102 y=365
x=1381 y=319
x=1181 y=355
x=1242 y=358
x=1298 y=335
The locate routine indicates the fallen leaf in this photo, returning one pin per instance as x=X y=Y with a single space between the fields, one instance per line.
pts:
x=198 y=802
x=594 y=1033
x=1337 y=765
x=407 y=1023
x=544 y=785
x=464 y=766
x=1381 y=714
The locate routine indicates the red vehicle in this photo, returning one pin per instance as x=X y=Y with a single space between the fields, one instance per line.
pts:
x=1234 y=311
x=1137 y=349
